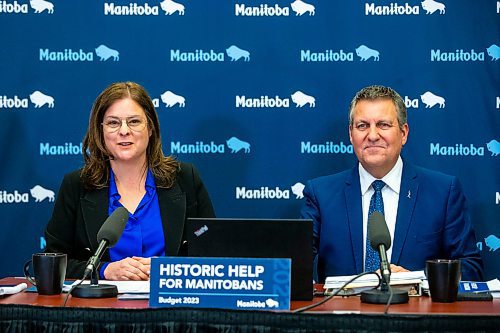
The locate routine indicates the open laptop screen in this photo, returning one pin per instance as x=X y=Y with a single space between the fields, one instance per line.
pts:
x=257 y=238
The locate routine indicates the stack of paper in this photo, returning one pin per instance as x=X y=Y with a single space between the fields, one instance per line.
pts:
x=410 y=281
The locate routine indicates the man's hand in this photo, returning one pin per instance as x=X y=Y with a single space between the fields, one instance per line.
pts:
x=394 y=269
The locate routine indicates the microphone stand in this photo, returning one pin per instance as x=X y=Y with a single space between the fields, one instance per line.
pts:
x=385 y=293
x=94 y=289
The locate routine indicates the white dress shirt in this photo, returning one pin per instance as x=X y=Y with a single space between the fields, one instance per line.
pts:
x=390 y=196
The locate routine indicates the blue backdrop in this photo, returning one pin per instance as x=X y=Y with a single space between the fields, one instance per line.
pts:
x=254 y=92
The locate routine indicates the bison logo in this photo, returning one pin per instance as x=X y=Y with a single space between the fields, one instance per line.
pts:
x=493 y=242
x=365 y=53
x=271 y=303
x=104 y=53
x=494 y=147
x=170 y=99
x=430 y=6
x=40 y=99
x=494 y=52
x=236 y=145
x=298 y=190
x=300 y=8
x=170 y=7
x=235 y=53
x=40 y=194
x=429 y=99
x=41 y=5
x=300 y=99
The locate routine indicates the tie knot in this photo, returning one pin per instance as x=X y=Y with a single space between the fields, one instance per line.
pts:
x=378 y=185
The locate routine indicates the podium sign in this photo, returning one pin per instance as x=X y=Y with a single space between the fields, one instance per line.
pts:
x=229 y=283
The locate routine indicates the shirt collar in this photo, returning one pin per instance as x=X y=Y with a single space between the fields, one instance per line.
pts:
x=392 y=179
x=150 y=182
x=113 y=190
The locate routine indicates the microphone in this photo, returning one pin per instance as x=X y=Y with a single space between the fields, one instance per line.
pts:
x=108 y=236
x=380 y=240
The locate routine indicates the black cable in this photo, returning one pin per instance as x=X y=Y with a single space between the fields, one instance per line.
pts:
x=326 y=299
x=73 y=287
x=389 y=300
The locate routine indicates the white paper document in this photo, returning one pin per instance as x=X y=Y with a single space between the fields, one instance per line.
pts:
x=125 y=287
x=333 y=283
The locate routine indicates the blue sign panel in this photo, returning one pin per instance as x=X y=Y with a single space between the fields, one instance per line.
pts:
x=231 y=283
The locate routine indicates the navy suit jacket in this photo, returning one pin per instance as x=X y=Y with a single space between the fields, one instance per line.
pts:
x=432 y=223
x=79 y=214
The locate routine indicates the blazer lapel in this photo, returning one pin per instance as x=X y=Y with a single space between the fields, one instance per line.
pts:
x=354 y=212
x=173 y=214
x=406 y=205
x=95 y=206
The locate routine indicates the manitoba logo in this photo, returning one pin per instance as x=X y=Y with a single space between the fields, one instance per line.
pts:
x=37 y=192
x=68 y=148
x=329 y=147
x=103 y=52
x=234 y=53
x=458 y=149
x=395 y=8
x=263 y=192
x=234 y=144
x=363 y=52
x=461 y=55
x=299 y=98
x=37 y=98
x=299 y=7
x=266 y=192
x=169 y=7
x=39 y=6
x=428 y=99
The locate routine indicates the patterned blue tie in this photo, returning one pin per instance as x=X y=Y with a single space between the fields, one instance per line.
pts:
x=372 y=260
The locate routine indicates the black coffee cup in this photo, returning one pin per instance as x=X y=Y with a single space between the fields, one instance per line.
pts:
x=443 y=276
x=49 y=272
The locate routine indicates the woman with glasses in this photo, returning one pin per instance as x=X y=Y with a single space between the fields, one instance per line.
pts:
x=125 y=167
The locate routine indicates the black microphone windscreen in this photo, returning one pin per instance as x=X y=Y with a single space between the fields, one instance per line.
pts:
x=378 y=232
x=112 y=228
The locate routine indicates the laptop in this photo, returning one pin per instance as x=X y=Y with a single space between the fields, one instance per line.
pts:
x=257 y=238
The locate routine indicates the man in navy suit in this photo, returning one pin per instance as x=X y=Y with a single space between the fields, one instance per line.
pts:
x=425 y=211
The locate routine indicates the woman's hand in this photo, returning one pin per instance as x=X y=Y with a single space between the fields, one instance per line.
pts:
x=134 y=269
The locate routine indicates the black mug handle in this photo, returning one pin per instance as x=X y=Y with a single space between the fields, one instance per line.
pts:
x=27 y=272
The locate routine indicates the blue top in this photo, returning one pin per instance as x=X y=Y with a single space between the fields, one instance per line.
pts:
x=143 y=233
